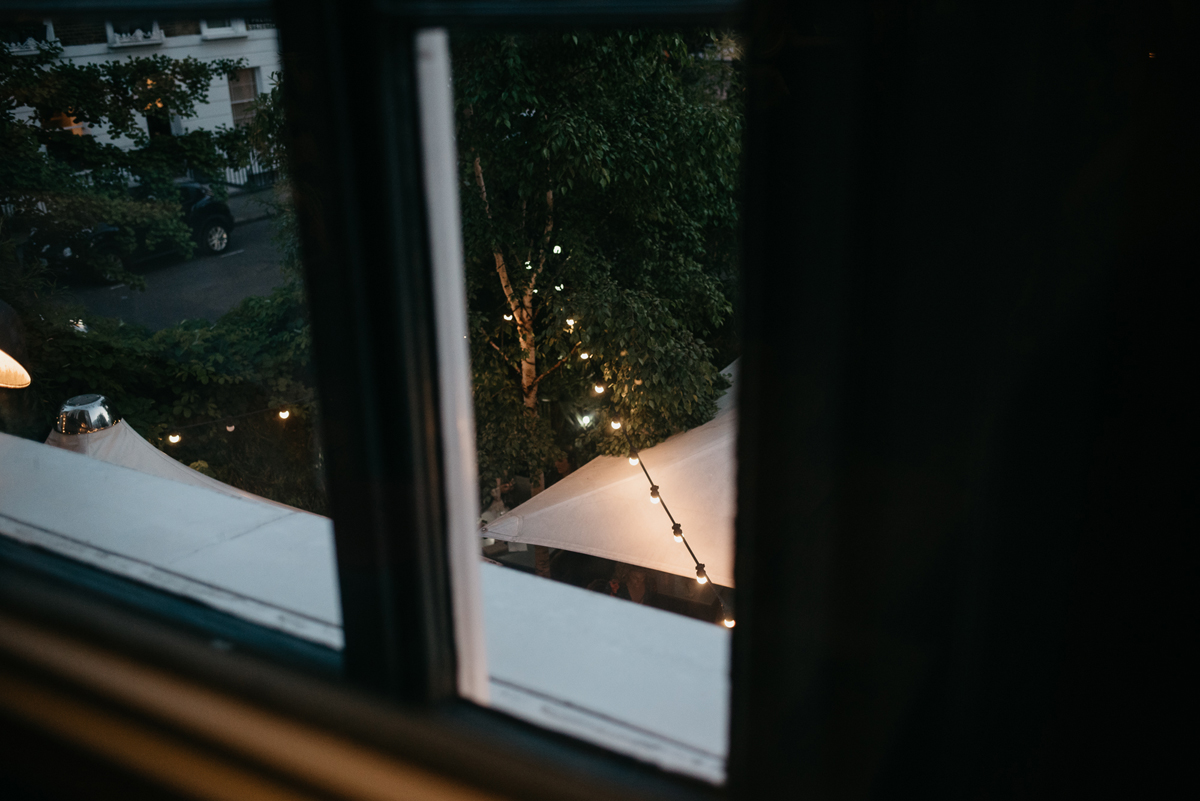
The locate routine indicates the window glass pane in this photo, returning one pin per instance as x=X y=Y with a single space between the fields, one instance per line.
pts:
x=598 y=175
x=158 y=410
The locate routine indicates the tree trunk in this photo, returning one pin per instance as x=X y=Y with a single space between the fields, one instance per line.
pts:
x=529 y=376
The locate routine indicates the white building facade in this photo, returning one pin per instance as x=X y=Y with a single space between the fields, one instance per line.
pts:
x=229 y=100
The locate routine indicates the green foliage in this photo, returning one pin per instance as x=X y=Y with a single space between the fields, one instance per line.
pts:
x=621 y=150
x=56 y=185
x=253 y=361
x=250 y=363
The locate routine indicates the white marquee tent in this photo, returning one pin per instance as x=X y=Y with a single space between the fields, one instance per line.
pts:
x=616 y=673
x=604 y=509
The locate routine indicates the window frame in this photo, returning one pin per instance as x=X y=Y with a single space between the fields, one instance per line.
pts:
x=860 y=667
x=373 y=298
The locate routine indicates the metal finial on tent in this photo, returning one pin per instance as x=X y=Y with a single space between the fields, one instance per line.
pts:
x=84 y=414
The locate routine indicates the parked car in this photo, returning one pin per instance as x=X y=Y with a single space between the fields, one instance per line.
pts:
x=94 y=252
x=210 y=218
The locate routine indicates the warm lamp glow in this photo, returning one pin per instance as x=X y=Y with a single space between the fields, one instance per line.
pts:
x=599 y=389
x=700 y=577
x=12 y=374
x=633 y=460
x=508 y=317
x=587 y=418
x=284 y=414
x=173 y=438
x=230 y=428
x=570 y=321
x=615 y=424
x=585 y=355
x=729 y=622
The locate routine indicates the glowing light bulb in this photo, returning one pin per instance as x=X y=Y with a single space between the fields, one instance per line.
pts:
x=587 y=418
x=230 y=428
x=599 y=388
x=616 y=424
x=570 y=321
x=173 y=438
x=557 y=249
x=585 y=355
x=284 y=414
x=559 y=287
x=508 y=317
x=633 y=460
x=701 y=577
x=677 y=531
x=528 y=266
x=654 y=493
x=729 y=622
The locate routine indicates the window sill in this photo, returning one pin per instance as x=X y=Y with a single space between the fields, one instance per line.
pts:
x=211 y=35
x=119 y=45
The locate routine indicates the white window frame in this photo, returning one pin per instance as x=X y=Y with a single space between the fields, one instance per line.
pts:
x=156 y=36
x=29 y=46
x=236 y=30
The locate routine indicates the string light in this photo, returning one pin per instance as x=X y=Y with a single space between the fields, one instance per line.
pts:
x=585 y=355
x=173 y=438
x=557 y=249
x=599 y=388
x=283 y=414
x=570 y=322
x=587 y=418
x=616 y=424
x=508 y=317
x=727 y=618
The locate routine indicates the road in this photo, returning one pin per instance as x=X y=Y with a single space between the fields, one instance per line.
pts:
x=201 y=288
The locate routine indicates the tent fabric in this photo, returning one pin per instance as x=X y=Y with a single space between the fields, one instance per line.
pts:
x=122 y=446
x=603 y=508
x=641 y=681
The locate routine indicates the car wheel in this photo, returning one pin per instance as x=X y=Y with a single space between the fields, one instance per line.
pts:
x=214 y=236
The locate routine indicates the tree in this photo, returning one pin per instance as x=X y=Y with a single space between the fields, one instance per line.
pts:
x=598 y=187
x=54 y=183
x=253 y=361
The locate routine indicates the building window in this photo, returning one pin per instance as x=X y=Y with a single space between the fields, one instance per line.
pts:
x=243 y=89
x=133 y=33
x=230 y=28
x=24 y=38
x=66 y=122
x=181 y=27
x=71 y=32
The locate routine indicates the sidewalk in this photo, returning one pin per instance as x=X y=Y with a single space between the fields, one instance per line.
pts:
x=255 y=204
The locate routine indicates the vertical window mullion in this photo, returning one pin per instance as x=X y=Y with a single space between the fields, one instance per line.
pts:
x=356 y=181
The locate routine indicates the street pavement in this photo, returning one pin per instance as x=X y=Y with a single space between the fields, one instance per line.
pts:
x=200 y=288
